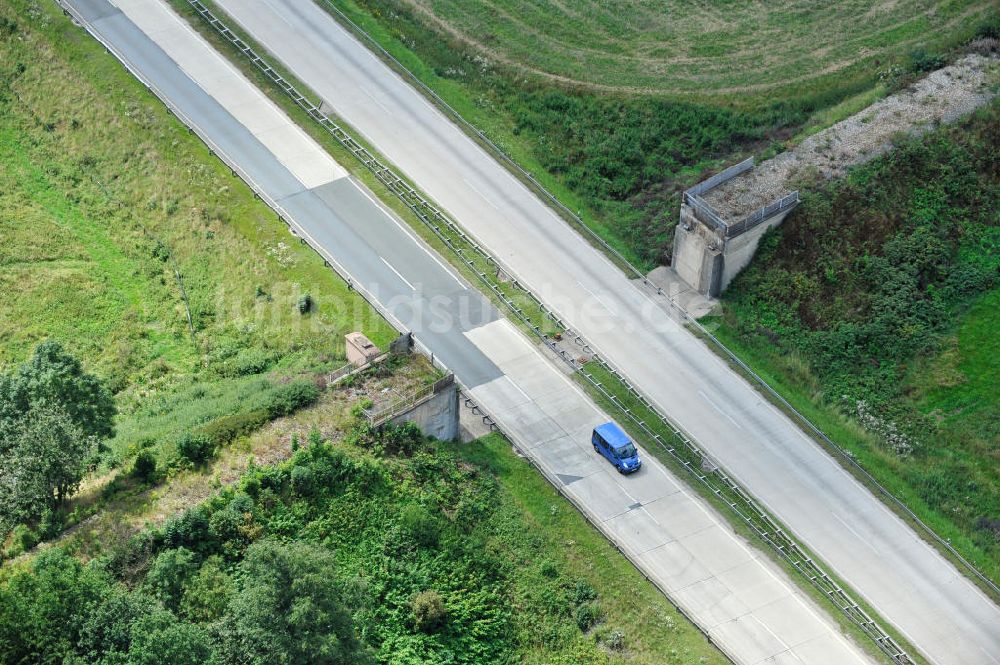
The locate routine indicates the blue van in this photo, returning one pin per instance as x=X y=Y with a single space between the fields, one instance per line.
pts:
x=609 y=440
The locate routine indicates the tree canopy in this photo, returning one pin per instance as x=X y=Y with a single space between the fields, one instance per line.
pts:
x=55 y=378
x=52 y=413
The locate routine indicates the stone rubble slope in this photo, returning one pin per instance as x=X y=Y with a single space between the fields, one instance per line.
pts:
x=942 y=96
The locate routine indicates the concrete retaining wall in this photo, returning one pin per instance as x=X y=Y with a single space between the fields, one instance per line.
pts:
x=706 y=259
x=738 y=251
x=437 y=416
x=697 y=256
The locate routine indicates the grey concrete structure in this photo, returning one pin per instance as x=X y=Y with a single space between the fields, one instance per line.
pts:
x=711 y=247
x=707 y=258
x=904 y=579
x=745 y=603
x=436 y=416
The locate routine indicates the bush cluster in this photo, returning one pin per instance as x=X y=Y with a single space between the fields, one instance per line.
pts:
x=331 y=557
x=866 y=279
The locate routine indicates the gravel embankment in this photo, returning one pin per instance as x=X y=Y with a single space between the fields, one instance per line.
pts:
x=941 y=97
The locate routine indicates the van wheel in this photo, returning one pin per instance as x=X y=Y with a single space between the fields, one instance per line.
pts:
x=596 y=449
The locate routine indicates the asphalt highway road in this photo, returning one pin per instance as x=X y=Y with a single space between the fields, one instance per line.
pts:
x=902 y=577
x=746 y=604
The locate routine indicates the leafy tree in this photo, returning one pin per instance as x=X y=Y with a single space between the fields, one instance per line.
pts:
x=56 y=378
x=106 y=630
x=289 y=609
x=159 y=638
x=42 y=609
x=170 y=574
x=43 y=464
x=207 y=594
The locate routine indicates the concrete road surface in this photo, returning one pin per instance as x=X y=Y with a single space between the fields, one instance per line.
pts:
x=903 y=578
x=746 y=604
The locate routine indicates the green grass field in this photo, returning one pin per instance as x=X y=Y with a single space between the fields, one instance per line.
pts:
x=116 y=225
x=716 y=49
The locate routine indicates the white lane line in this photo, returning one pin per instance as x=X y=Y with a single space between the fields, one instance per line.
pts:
x=992 y=657
x=784 y=645
x=518 y=388
x=409 y=232
x=389 y=265
x=483 y=196
x=718 y=408
x=450 y=273
x=856 y=534
x=595 y=296
x=372 y=97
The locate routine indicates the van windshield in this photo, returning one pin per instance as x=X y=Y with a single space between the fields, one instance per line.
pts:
x=626 y=451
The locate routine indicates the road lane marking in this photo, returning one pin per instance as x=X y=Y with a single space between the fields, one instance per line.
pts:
x=518 y=389
x=595 y=296
x=389 y=265
x=409 y=232
x=856 y=534
x=483 y=196
x=450 y=273
x=372 y=97
x=719 y=409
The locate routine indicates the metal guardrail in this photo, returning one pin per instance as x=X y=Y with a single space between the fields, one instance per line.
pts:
x=386 y=412
x=705 y=212
x=736 y=497
x=764 y=213
x=398 y=406
x=721 y=177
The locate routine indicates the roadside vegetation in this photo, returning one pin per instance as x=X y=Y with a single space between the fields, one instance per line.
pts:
x=391 y=548
x=874 y=307
x=619 y=153
x=131 y=250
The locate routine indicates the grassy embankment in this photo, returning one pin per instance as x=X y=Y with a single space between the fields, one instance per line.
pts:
x=874 y=311
x=603 y=113
x=115 y=224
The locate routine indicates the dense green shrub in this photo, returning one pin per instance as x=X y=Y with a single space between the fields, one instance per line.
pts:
x=428 y=611
x=246 y=362
x=189 y=529
x=420 y=525
x=196 y=448
x=302 y=480
x=290 y=398
x=227 y=428
x=144 y=466
x=587 y=616
x=921 y=61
